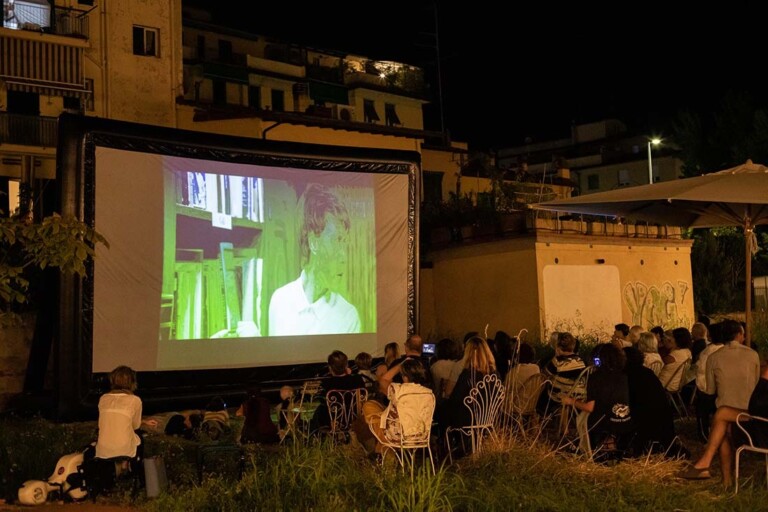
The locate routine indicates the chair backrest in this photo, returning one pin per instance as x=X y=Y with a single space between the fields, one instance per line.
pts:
x=528 y=394
x=412 y=421
x=656 y=367
x=485 y=401
x=344 y=406
x=579 y=388
x=675 y=382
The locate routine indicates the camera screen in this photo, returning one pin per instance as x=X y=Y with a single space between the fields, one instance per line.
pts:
x=429 y=348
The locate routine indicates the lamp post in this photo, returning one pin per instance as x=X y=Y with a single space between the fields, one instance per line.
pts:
x=654 y=141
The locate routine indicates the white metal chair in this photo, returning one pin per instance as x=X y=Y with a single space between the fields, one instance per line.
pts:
x=407 y=430
x=484 y=401
x=578 y=391
x=344 y=405
x=520 y=403
x=656 y=367
x=674 y=385
x=750 y=446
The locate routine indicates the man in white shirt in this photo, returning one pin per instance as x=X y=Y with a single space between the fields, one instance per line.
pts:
x=312 y=303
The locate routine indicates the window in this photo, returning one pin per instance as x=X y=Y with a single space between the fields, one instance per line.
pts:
x=593 y=182
x=254 y=96
x=145 y=41
x=219 y=92
x=624 y=177
x=278 y=100
x=369 y=112
x=72 y=103
x=433 y=187
x=225 y=50
x=390 y=115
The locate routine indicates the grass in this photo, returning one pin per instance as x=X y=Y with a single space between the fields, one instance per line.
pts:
x=510 y=475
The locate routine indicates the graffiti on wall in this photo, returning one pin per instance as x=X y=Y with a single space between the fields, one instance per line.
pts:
x=657 y=304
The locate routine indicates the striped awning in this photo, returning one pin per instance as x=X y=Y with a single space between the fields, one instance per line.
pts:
x=42 y=66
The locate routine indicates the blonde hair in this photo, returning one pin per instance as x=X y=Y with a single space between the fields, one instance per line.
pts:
x=391 y=352
x=478 y=356
x=647 y=343
x=122 y=378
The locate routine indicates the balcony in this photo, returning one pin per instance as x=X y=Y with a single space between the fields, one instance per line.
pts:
x=35 y=17
x=28 y=130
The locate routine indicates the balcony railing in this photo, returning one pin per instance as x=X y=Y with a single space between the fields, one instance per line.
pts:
x=28 y=130
x=37 y=17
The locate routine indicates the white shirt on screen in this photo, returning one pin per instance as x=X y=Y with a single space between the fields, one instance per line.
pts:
x=290 y=313
x=119 y=416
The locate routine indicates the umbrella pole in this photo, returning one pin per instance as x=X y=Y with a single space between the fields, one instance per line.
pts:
x=748 y=283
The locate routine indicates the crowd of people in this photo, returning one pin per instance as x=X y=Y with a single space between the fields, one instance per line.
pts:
x=620 y=392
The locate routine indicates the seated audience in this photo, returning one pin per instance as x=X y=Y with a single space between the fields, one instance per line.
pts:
x=563 y=371
x=700 y=340
x=722 y=427
x=410 y=407
x=519 y=373
x=705 y=397
x=679 y=343
x=341 y=378
x=363 y=361
x=478 y=362
x=620 y=335
x=651 y=410
x=648 y=346
x=442 y=369
x=257 y=425
x=607 y=402
x=391 y=352
x=119 y=417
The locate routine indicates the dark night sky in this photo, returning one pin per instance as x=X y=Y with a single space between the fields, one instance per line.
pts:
x=530 y=71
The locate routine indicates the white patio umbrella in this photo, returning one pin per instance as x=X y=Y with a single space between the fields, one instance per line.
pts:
x=732 y=197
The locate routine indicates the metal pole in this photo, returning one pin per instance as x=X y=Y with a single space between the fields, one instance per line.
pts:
x=650 y=164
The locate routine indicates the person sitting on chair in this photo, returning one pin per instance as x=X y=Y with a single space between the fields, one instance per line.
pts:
x=341 y=378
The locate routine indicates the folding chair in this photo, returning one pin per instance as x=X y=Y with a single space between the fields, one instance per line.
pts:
x=750 y=446
x=485 y=401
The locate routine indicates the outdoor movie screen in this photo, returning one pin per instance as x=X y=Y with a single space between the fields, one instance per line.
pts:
x=215 y=264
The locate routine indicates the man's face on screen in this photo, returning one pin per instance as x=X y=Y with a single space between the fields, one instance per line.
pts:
x=330 y=254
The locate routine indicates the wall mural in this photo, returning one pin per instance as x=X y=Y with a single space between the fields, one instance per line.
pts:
x=658 y=304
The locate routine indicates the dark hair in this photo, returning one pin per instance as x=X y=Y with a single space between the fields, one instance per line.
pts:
x=730 y=329
x=505 y=345
x=716 y=333
x=175 y=425
x=363 y=361
x=469 y=335
x=659 y=332
x=317 y=203
x=622 y=328
x=634 y=358
x=445 y=349
x=338 y=362
x=414 y=343
x=413 y=370
x=566 y=342
x=527 y=354
x=216 y=404
x=682 y=337
x=612 y=358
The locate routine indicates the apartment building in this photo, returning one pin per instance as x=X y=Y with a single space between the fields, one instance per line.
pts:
x=158 y=62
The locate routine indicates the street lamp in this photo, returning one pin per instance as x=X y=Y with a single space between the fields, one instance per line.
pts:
x=654 y=141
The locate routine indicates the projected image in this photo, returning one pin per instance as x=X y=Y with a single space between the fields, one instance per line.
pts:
x=257 y=256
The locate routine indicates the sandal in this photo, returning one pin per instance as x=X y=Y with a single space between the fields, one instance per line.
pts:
x=693 y=473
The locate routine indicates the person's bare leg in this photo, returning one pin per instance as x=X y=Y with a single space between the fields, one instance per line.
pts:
x=724 y=416
x=726 y=459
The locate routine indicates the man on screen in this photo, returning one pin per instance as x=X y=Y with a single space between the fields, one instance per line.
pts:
x=312 y=303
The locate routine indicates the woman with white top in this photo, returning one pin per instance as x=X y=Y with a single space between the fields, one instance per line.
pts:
x=648 y=344
x=119 y=417
x=678 y=355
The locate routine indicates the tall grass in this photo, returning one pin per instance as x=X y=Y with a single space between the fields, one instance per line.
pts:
x=512 y=474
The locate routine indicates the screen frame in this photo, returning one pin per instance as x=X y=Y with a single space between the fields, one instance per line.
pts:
x=77 y=387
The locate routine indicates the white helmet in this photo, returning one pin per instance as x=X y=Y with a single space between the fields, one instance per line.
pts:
x=33 y=492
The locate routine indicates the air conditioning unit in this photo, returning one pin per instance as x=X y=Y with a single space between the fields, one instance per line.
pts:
x=344 y=112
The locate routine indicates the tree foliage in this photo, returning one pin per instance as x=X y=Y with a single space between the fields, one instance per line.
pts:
x=65 y=243
x=729 y=136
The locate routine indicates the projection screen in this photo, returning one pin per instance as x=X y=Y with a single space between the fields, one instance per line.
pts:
x=230 y=253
